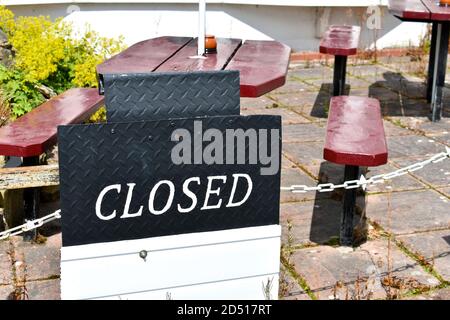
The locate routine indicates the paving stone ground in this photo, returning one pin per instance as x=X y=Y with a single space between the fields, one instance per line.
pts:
x=406 y=221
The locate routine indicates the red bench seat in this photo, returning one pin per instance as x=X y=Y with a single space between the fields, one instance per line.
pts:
x=340 y=40
x=355 y=133
x=33 y=133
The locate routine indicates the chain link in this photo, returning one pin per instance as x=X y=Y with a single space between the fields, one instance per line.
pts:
x=30 y=225
x=323 y=187
x=363 y=182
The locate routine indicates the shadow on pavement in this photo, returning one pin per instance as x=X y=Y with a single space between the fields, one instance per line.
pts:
x=326 y=217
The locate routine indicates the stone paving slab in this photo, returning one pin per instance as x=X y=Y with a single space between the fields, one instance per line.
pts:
x=406 y=88
x=322 y=72
x=303 y=133
x=318 y=112
x=252 y=103
x=391 y=129
x=376 y=90
x=6 y=275
x=437 y=174
x=294 y=176
x=441 y=294
x=44 y=290
x=402 y=183
x=353 y=82
x=419 y=124
x=293 y=85
x=409 y=122
x=289 y=287
x=445 y=191
x=399 y=110
x=286 y=163
x=404 y=271
x=361 y=273
x=443 y=138
x=310 y=221
x=433 y=246
x=5 y=292
x=287 y=116
x=304 y=154
x=37 y=261
x=360 y=92
x=295 y=100
x=412 y=147
x=327 y=172
x=430 y=128
x=410 y=211
x=332 y=272
x=370 y=73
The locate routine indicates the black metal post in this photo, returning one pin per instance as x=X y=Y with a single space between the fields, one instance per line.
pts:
x=31 y=198
x=340 y=68
x=346 y=234
x=440 y=69
x=431 y=60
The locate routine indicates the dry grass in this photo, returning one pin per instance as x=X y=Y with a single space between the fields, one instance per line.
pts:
x=19 y=267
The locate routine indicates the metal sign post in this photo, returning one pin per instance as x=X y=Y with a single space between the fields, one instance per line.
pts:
x=201 y=27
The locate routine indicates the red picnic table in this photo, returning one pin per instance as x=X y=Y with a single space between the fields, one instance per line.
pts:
x=262 y=64
x=430 y=11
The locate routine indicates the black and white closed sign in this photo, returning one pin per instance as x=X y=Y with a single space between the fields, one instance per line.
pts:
x=172 y=208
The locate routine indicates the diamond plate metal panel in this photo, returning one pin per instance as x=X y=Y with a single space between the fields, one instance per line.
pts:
x=156 y=96
x=95 y=156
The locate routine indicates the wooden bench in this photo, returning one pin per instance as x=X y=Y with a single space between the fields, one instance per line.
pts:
x=355 y=137
x=340 y=41
x=34 y=133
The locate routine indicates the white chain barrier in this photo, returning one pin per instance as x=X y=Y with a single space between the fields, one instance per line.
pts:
x=363 y=182
x=30 y=225
x=323 y=187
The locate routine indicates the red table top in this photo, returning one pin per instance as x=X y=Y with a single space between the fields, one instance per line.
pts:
x=340 y=40
x=437 y=12
x=262 y=64
x=424 y=10
x=363 y=144
x=33 y=133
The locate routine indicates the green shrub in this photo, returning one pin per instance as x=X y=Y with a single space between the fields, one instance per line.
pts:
x=46 y=54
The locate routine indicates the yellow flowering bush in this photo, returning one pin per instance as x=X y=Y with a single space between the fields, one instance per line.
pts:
x=46 y=54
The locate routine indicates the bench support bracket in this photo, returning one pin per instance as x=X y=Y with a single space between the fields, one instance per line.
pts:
x=346 y=233
x=340 y=68
x=31 y=199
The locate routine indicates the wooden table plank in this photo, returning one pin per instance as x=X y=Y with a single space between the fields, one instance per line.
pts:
x=340 y=40
x=438 y=12
x=182 y=60
x=262 y=66
x=33 y=133
x=143 y=56
x=409 y=9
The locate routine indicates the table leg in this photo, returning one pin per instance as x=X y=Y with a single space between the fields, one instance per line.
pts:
x=31 y=198
x=340 y=69
x=440 y=67
x=346 y=234
x=430 y=77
